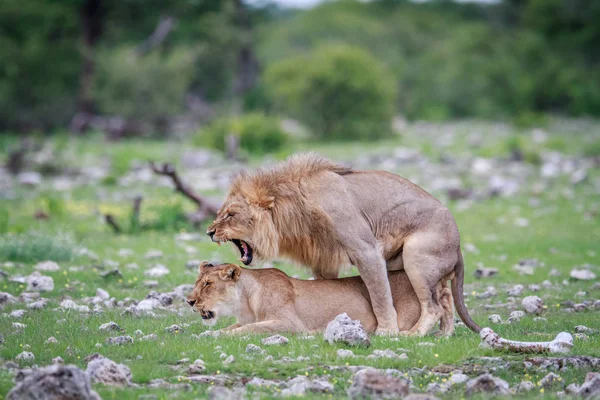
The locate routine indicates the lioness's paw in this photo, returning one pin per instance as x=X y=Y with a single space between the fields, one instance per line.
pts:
x=387 y=332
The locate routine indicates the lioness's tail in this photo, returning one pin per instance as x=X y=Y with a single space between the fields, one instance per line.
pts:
x=457 y=293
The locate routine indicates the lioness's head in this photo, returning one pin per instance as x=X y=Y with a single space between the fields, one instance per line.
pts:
x=246 y=220
x=215 y=293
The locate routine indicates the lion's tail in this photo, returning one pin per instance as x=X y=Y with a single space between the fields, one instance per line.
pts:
x=457 y=293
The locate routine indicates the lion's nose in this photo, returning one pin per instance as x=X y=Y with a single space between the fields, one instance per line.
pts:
x=191 y=302
x=211 y=235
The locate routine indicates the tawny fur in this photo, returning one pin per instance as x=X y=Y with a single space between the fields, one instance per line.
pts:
x=269 y=301
x=328 y=216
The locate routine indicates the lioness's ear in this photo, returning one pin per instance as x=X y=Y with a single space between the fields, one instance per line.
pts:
x=203 y=266
x=231 y=272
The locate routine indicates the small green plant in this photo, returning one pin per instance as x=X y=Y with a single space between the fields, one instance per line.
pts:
x=258 y=133
x=592 y=149
x=35 y=246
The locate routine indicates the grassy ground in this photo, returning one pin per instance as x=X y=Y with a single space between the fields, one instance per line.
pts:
x=562 y=232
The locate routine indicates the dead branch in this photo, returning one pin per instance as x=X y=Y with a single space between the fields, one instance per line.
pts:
x=167 y=169
x=561 y=344
x=162 y=30
x=110 y=220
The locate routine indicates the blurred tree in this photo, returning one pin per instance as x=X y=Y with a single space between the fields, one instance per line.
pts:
x=340 y=92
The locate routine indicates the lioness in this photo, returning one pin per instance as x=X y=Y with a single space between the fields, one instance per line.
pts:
x=267 y=300
x=326 y=216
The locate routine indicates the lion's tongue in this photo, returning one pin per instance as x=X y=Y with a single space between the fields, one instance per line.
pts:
x=245 y=255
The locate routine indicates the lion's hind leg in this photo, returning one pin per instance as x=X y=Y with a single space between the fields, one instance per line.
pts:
x=446 y=301
x=427 y=261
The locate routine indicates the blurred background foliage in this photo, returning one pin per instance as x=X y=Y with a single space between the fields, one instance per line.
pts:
x=343 y=69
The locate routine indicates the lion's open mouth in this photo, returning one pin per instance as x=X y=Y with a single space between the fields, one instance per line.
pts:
x=245 y=251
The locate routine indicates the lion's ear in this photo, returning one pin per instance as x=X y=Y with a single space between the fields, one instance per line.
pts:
x=231 y=272
x=266 y=202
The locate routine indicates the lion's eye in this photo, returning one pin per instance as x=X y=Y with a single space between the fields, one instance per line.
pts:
x=230 y=214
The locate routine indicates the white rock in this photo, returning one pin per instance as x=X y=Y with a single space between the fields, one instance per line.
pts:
x=157 y=271
x=254 y=349
x=229 y=360
x=582 y=274
x=25 y=356
x=152 y=254
x=533 y=305
x=51 y=340
x=47 y=266
x=148 y=304
x=495 y=319
x=37 y=282
x=68 y=304
x=102 y=294
x=275 y=340
x=151 y=336
x=105 y=371
x=197 y=367
x=344 y=353
x=516 y=290
x=110 y=326
x=344 y=330
x=30 y=178
x=17 y=314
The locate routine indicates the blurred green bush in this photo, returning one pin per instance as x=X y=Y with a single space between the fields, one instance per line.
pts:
x=149 y=87
x=258 y=133
x=338 y=91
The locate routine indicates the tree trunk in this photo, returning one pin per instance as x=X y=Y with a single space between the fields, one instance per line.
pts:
x=247 y=68
x=91 y=15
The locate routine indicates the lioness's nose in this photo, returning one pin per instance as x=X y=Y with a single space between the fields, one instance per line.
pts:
x=191 y=302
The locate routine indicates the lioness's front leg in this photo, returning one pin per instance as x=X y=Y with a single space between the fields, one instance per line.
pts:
x=271 y=326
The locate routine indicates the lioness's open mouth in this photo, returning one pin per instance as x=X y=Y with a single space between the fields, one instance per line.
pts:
x=245 y=251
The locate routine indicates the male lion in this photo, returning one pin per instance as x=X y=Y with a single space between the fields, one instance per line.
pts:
x=268 y=301
x=326 y=216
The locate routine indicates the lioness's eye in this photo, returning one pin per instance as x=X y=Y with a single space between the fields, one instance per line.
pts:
x=206 y=284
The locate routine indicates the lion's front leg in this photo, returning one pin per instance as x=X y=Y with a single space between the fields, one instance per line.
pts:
x=373 y=271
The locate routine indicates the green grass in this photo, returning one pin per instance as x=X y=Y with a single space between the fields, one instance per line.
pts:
x=563 y=232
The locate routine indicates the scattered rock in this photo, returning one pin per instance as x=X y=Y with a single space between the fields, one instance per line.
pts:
x=387 y=353
x=68 y=304
x=51 y=340
x=112 y=273
x=38 y=305
x=223 y=393
x=515 y=316
x=495 y=319
x=591 y=387
x=153 y=254
x=487 y=383
x=582 y=274
x=157 y=271
x=458 y=378
x=119 y=340
x=229 y=360
x=254 y=349
x=17 y=314
x=344 y=353
x=7 y=298
x=31 y=178
x=53 y=383
x=482 y=272
x=344 y=330
x=37 y=282
x=585 y=329
x=164 y=299
x=174 y=329
x=558 y=363
x=370 y=383
x=48 y=266
x=110 y=326
x=516 y=290
x=25 y=356
x=108 y=372
x=533 y=305
x=275 y=340
x=551 y=380
x=525 y=386
x=58 y=360
x=197 y=367
x=151 y=336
